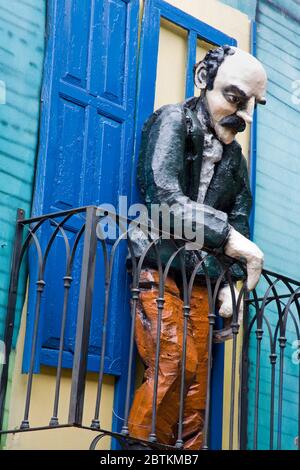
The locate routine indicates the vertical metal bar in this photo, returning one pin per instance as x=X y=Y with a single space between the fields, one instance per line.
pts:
x=95 y=424
x=134 y=296
x=83 y=318
x=191 y=60
x=211 y=320
x=282 y=344
x=235 y=330
x=160 y=305
x=273 y=358
x=259 y=335
x=40 y=287
x=11 y=307
x=67 y=285
x=243 y=413
x=186 y=314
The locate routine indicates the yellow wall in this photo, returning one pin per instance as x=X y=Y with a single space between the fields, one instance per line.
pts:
x=169 y=89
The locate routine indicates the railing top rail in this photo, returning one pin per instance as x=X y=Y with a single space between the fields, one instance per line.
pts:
x=157 y=231
x=53 y=215
x=281 y=276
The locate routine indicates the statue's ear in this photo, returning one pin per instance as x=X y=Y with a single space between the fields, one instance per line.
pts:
x=200 y=75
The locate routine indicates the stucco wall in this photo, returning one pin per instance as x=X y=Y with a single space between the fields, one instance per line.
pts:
x=22 y=30
x=277 y=216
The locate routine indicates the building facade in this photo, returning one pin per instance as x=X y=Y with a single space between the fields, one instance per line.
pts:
x=100 y=81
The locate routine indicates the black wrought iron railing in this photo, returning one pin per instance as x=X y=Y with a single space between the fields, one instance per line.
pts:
x=261 y=365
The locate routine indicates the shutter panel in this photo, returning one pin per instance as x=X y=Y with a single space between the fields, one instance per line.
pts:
x=85 y=152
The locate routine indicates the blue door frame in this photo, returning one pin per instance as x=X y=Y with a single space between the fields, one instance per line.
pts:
x=153 y=12
x=253 y=141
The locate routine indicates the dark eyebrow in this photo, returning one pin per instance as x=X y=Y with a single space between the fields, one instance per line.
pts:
x=235 y=89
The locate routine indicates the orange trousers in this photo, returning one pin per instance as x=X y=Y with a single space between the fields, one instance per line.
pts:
x=170 y=361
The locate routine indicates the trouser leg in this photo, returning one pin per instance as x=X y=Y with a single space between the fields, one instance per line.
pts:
x=169 y=364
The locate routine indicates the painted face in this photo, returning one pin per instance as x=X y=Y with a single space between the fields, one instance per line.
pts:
x=239 y=85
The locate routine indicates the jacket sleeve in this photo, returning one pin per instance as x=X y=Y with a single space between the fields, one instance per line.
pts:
x=160 y=166
x=240 y=212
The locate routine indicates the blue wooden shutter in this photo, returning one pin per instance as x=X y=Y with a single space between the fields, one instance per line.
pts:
x=86 y=141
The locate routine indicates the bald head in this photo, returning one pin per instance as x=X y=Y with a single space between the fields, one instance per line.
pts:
x=244 y=71
x=232 y=82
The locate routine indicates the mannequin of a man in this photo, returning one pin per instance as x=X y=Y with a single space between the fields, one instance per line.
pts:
x=189 y=156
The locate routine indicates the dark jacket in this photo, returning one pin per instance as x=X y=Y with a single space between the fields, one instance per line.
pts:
x=169 y=171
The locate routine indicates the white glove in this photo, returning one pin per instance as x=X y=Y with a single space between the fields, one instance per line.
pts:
x=238 y=247
x=225 y=299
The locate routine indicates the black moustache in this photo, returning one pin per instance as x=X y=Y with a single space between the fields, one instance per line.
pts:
x=233 y=122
